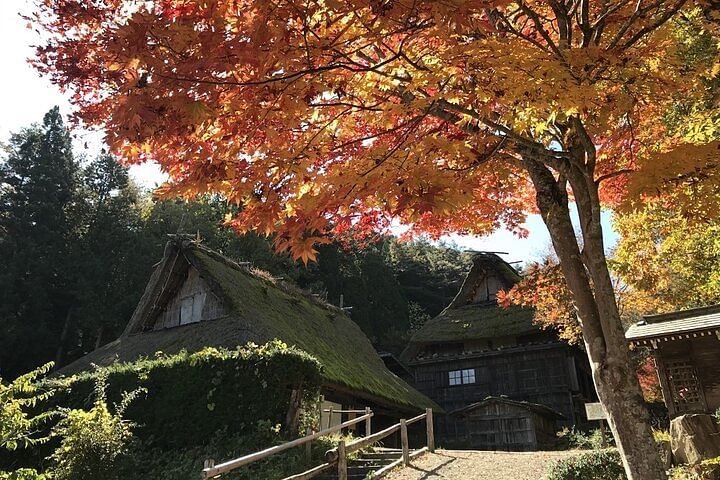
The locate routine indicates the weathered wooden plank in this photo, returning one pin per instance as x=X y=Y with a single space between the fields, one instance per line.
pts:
x=342 y=461
x=238 y=462
x=430 y=429
x=312 y=473
x=404 y=443
x=364 y=442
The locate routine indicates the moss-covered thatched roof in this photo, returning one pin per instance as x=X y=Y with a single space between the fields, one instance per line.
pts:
x=464 y=319
x=471 y=322
x=259 y=311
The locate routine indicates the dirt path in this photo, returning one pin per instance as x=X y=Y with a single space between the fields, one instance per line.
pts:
x=475 y=465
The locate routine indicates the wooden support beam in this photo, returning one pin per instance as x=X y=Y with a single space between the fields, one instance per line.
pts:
x=404 y=442
x=342 y=461
x=368 y=425
x=312 y=473
x=308 y=446
x=430 y=430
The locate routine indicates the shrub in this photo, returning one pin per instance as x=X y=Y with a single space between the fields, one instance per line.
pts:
x=706 y=470
x=190 y=396
x=92 y=441
x=596 y=465
x=24 y=474
x=18 y=427
x=591 y=440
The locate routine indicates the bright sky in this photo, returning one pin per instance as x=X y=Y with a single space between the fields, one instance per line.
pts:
x=25 y=97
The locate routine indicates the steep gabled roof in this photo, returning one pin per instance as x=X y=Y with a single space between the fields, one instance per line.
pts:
x=465 y=319
x=258 y=310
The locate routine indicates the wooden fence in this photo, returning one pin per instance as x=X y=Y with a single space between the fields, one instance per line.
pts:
x=337 y=457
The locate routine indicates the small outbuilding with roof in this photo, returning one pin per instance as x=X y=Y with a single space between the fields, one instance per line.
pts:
x=686 y=349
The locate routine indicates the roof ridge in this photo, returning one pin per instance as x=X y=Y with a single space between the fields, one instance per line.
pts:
x=680 y=314
x=286 y=286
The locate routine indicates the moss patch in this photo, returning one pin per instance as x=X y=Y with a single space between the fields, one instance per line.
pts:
x=475 y=322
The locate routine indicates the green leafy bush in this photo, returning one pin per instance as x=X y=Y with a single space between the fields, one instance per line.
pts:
x=596 y=465
x=18 y=427
x=583 y=440
x=92 y=441
x=192 y=396
x=24 y=474
x=707 y=469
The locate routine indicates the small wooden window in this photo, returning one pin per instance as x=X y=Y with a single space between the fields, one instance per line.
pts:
x=687 y=395
x=461 y=377
x=191 y=308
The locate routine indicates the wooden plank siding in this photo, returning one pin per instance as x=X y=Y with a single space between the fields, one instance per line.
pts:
x=193 y=302
x=546 y=374
x=703 y=355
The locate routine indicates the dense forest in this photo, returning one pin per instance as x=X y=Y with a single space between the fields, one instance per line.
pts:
x=79 y=240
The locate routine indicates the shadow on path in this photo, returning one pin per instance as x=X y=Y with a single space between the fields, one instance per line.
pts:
x=426 y=474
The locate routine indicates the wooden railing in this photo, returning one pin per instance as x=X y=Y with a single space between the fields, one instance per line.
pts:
x=337 y=456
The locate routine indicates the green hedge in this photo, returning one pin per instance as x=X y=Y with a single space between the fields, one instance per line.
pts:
x=189 y=397
x=603 y=464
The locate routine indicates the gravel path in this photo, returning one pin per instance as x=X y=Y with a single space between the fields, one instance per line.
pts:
x=476 y=465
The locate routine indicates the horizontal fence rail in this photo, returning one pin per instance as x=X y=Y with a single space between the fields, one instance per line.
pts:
x=337 y=457
x=253 y=457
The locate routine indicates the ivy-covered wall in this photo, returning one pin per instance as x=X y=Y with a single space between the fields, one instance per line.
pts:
x=190 y=397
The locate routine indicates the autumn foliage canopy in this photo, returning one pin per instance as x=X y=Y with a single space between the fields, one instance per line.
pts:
x=321 y=117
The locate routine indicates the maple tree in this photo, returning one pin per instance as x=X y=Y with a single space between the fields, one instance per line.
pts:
x=668 y=261
x=320 y=117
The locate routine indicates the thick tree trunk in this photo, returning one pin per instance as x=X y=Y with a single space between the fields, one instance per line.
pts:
x=589 y=281
x=60 y=352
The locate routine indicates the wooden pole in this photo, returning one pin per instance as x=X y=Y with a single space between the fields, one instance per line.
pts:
x=330 y=412
x=320 y=411
x=308 y=446
x=404 y=442
x=342 y=461
x=603 y=444
x=430 y=430
x=368 y=425
x=209 y=463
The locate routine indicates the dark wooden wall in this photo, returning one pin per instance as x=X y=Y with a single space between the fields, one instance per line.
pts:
x=500 y=426
x=551 y=375
x=703 y=353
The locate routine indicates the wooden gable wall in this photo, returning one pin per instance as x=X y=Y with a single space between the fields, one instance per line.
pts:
x=193 y=302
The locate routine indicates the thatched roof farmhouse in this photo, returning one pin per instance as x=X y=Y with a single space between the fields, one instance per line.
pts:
x=475 y=349
x=198 y=298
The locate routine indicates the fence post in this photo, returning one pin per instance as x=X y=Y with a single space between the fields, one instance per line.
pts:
x=430 y=430
x=308 y=446
x=342 y=461
x=368 y=425
x=404 y=442
x=209 y=463
x=320 y=411
x=330 y=413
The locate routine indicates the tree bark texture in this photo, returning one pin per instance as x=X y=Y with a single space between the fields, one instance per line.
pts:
x=588 y=279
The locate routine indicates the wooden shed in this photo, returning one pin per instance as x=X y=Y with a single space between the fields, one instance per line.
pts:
x=499 y=423
x=686 y=349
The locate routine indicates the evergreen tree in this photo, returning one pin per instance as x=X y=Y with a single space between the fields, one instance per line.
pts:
x=38 y=179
